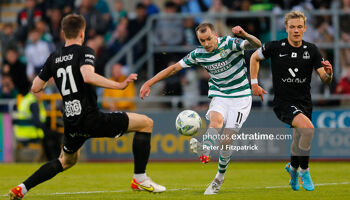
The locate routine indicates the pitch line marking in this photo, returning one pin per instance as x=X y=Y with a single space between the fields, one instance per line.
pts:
x=174 y=189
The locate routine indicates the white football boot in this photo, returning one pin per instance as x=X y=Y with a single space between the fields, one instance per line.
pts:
x=147 y=185
x=214 y=187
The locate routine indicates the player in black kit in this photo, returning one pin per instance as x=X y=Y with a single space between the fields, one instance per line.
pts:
x=292 y=63
x=72 y=68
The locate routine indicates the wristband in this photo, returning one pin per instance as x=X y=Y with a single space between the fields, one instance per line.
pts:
x=254 y=81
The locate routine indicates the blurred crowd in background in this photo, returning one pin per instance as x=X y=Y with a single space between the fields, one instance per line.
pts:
x=26 y=44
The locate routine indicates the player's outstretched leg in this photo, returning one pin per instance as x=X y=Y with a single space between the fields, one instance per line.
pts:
x=141 y=147
x=44 y=173
x=202 y=149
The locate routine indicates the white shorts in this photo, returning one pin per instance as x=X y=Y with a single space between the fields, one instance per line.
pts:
x=234 y=110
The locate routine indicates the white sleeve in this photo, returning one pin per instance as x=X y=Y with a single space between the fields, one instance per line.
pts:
x=260 y=54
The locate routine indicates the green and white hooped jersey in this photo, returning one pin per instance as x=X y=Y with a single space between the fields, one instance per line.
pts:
x=226 y=67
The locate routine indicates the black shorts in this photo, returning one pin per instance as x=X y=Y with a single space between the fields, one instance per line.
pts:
x=95 y=125
x=287 y=111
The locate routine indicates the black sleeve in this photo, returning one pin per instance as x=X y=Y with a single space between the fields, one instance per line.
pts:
x=45 y=73
x=316 y=58
x=87 y=57
x=268 y=49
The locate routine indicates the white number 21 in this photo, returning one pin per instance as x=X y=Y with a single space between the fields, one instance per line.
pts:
x=63 y=72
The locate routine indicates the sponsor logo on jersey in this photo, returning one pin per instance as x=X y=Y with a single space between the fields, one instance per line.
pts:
x=282 y=55
x=219 y=67
x=291 y=71
x=89 y=56
x=64 y=58
x=283 y=44
x=72 y=108
x=306 y=55
x=79 y=135
x=293 y=80
x=89 y=60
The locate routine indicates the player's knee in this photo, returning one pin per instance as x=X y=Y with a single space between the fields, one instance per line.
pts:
x=68 y=163
x=307 y=129
x=147 y=125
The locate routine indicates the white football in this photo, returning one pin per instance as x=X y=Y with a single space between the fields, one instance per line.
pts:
x=188 y=122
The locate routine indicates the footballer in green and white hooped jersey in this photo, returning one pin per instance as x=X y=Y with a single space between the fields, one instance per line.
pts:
x=229 y=89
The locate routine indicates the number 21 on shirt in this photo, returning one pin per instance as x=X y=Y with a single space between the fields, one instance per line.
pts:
x=62 y=72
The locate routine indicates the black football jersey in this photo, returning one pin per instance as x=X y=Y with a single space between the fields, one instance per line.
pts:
x=292 y=69
x=63 y=65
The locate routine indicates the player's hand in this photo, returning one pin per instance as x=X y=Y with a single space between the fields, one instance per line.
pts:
x=327 y=67
x=145 y=90
x=125 y=83
x=238 y=31
x=258 y=91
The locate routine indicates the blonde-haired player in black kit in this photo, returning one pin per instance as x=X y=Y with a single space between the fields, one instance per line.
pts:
x=72 y=68
x=292 y=63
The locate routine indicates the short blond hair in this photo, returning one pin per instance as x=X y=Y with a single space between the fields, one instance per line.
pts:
x=202 y=27
x=294 y=15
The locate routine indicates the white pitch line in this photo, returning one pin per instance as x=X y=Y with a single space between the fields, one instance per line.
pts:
x=287 y=186
x=93 y=192
x=174 y=189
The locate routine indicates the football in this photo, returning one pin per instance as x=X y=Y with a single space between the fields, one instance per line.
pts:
x=188 y=122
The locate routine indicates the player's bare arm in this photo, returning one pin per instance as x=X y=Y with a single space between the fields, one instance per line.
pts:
x=89 y=76
x=38 y=85
x=251 y=43
x=254 y=71
x=325 y=72
x=165 y=73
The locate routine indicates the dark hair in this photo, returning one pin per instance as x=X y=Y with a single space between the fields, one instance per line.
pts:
x=140 y=6
x=169 y=4
x=202 y=27
x=12 y=48
x=72 y=24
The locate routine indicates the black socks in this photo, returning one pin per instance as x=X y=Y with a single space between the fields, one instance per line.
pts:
x=302 y=161
x=294 y=162
x=44 y=173
x=141 y=148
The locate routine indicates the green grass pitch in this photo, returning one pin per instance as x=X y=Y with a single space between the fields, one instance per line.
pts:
x=244 y=180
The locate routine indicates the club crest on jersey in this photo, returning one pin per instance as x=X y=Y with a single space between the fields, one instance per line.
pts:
x=223 y=53
x=306 y=55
